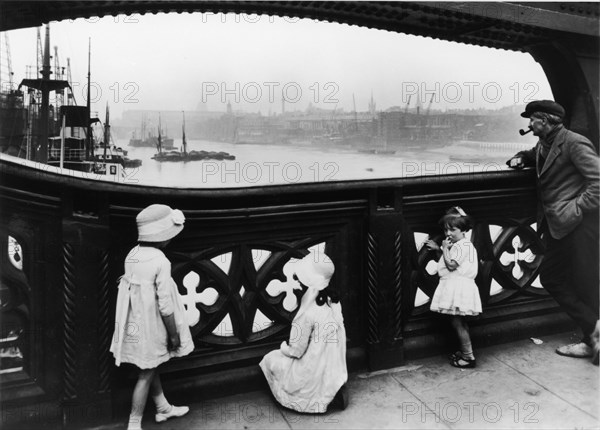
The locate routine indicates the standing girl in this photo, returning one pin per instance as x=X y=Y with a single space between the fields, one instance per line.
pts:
x=150 y=325
x=457 y=294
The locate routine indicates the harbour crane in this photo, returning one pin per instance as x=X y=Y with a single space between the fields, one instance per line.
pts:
x=429 y=105
x=418 y=104
x=45 y=86
x=427 y=120
x=70 y=96
x=40 y=54
x=58 y=74
x=407 y=104
x=8 y=61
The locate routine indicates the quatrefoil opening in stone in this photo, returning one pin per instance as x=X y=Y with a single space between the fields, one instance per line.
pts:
x=276 y=287
x=519 y=253
x=208 y=297
x=518 y=259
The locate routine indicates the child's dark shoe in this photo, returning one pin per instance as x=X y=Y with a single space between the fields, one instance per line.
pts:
x=457 y=354
x=341 y=398
x=463 y=362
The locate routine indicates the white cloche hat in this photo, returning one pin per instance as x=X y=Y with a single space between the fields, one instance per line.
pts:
x=315 y=270
x=158 y=223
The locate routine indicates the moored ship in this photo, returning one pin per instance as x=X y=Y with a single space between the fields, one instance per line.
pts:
x=184 y=154
x=107 y=152
x=57 y=135
x=147 y=138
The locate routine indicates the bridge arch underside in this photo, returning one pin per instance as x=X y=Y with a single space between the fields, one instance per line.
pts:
x=72 y=235
x=562 y=37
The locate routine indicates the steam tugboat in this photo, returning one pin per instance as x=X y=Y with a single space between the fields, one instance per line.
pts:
x=107 y=152
x=62 y=137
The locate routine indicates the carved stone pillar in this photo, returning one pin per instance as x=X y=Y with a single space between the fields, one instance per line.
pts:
x=87 y=328
x=386 y=283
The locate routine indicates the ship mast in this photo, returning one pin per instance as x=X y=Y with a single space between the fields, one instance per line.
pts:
x=88 y=141
x=106 y=132
x=58 y=75
x=159 y=141
x=183 y=134
x=42 y=147
x=40 y=54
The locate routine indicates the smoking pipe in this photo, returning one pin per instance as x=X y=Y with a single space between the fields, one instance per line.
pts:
x=523 y=132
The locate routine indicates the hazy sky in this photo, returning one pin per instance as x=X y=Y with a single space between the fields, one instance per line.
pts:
x=174 y=62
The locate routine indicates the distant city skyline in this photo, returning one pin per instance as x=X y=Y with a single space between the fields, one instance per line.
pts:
x=254 y=62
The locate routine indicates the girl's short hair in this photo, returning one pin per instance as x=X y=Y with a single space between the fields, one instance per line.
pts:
x=455 y=217
x=327 y=294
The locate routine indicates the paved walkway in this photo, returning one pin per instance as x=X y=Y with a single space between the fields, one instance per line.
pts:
x=519 y=385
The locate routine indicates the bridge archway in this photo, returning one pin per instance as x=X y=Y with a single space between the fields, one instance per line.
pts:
x=562 y=37
x=42 y=211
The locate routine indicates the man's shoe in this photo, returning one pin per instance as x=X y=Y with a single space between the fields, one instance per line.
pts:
x=175 y=411
x=577 y=350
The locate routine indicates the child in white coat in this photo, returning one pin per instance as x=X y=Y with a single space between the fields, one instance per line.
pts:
x=150 y=325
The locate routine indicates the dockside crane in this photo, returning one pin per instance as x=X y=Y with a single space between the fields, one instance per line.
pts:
x=427 y=120
x=8 y=61
x=45 y=86
x=70 y=96
x=418 y=104
x=429 y=105
x=40 y=54
x=58 y=74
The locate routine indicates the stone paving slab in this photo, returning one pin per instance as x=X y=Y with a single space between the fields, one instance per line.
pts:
x=518 y=385
x=255 y=410
x=375 y=401
x=573 y=380
x=502 y=393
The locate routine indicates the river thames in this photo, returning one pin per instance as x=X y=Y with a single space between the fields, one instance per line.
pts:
x=263 y=165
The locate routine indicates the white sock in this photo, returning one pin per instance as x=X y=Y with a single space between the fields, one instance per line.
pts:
x=467 y=350
x=162 y=405
x=135 y=423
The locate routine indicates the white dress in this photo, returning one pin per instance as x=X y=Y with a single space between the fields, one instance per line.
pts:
x=309 y=379
x=457 y=293
x=146 y=293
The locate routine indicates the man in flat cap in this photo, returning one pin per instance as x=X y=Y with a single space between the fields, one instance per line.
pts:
x=568 y=183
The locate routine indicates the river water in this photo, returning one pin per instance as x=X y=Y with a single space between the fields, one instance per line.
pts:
x=261 y=165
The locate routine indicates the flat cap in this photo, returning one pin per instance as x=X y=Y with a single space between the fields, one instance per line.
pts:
x=547 y=106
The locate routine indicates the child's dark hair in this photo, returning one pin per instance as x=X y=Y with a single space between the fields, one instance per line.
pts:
x=327 y=293
x=455 y=217
x=158 y=245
